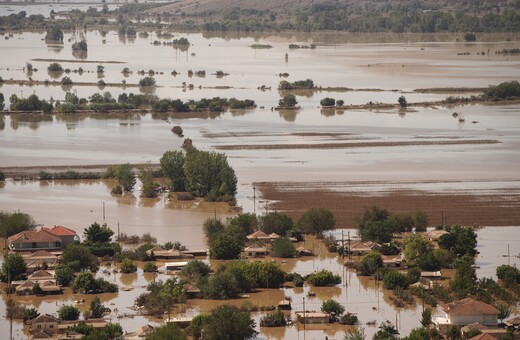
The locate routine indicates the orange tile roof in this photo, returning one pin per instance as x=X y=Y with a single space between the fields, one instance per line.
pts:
x=484 y=336
x=469 y=306
x=61 y=231
x=30 y=236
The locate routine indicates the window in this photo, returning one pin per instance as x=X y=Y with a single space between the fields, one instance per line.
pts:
x=51 y=326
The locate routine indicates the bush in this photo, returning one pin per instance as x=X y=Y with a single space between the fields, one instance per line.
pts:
x=503 y=90
x=274 y=319
x=149 y=267
x=283 y=247
x=349 y=319
x=80 y=46
x=127 y=266
x=68 y=312
x=147 y=81
x=394 y=279
x=470 y=37
x=55 y=67
x=66 y=81
x=117 y=190
x=2 y=176
x=402 y=101
x=370 y=263
x=333 y=308
x=324 y=278
x=297 y=280
x=328 y=101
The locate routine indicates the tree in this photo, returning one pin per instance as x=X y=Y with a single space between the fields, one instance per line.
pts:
x=147 y=81
x=13 y=268
x=13 y=223
x=358 y=334
x=79 y=257
x=247 y=222
x=324 y=278
x=509 y=275
x=504 y=311
x=228 y=323
x=460 y=241
x=464 y=281
x=97 y=309
x=283 y=247
x=288 y=101
x=420 y=220
x=83 y=283
x=194 y=270
x=333 y=308
x=274 y=319
x=82 y=47
x=274 y=222
x=328 y=101
x=402 y=101
x=149 y=267
x=68 y=312
x=371 y=215
x=421 y=333
x=98 y=233
x=64 y=275
x=66 y=81
x=125 y=176
x=168 y=331
x=54 y=33
x=212 y=228
x=420 y=251
x=30 y=313
x=149 y=186
x=2 y=99
x=55 y=67
x=394 y=279
x=127 y=266
x=386 y=331
x=225 y=247
x=370 y=263
x=426 y=317
x=172 y=166
x=316 y=221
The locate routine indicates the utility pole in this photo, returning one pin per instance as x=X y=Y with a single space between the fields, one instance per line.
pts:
x=442 y=218
x=349 y=252
x=103 y=212
x=254 y=199
x=118 y=234
x=342 y=247
x=304 y=317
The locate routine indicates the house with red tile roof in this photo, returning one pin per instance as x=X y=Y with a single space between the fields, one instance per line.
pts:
x=66 y=235
x=33 y=240
x=466 y=311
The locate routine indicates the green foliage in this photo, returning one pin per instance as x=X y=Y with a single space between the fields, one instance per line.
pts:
x=55 y=67
x=426 y=317
x=37 y=290
x=228 y=323
x=13 y=268
x=225 y=247
x=212 y=228
x=68 y=312
x=30 y=313
x=31 y=103
x=79 y=257
x=172 y=166
x=420 y=251
x=125 y=176
x=283 y=247
x=274 y=222
x=504 y=311
x=13 y=223
x=460 y=241
x=247 y=222
x=358 y=334
x=168 y=331
x=470 y=37
x=316 y=221
x=349 y=319
x=332 y=307
x=149 y=186
x=54 y=33
x=503 y=90
x=2 y=100
x=421 y=333
x=147 y=81
x=328 y=101
x=420 y=221
x=402 y=101
x=127 y=266
x=194 y=270
x=161 y=296
x=376 y=225
x=85 y=283
x=386 y=331
x=288 y=101
x=324 y=278
x=64 y=275
x=370 y=263
x=297 y=85
x=393 y=279
x=509 y=275
x=464 y=281
x=181 y=41
x=98 y=233
x=149 y=267
x=208 y=174
x=97 y=309
x=66 y=81
x=413 y=275
x=297 y=280
x=274 y=319
x=80 y=46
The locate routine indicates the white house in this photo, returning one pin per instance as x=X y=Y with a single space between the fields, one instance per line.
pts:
x=466 y=311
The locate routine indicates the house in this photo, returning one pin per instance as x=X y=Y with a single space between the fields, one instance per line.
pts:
x=285 y=305
x=361 y=248
x=41 y=276
x=392 y=261
x=50 y=287
x=424 y=283
x=191 y=291
x=312 y=317
x=432 y=275
x=25 y=288
x=483 y=336
x=66 y=235
x=31 y=240
x=302 y=251
x=41 y=335
x=255 y=251
x=174 y=265
x=44 y=322
x=140 y=333
x=96 y=323
x=70 y=335
x=159 y=252
x=259 y=236
x=435 y=235
x=464 y=312
x=496 y=333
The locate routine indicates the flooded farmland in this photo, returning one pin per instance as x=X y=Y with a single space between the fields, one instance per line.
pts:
x=365 y=152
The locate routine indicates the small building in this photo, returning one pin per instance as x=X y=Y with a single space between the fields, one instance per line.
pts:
x=259 y=236
x=424 y=283
x=464 y=312
x=362 y=248
x=302 y=251
x=312 y=317
x=437 y=275
x=50 y=287
x=435 y=235
x=285 y=305
x=44 y=322
x=25 y=288
x=66 y=235
x=96 y=323
x=70 y=335
x=41 y=276
x=170 y=266
x=392 y=261
x=141 y=333
x=32 y=240
x=159 y=252
x=191 y=291
x=255 y=251
x=41 y=335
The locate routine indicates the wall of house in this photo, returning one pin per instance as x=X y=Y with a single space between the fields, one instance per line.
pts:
x=36 y=245
x=466 y=319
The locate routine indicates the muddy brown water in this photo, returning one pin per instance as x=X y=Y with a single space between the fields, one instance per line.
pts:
x=440 y=169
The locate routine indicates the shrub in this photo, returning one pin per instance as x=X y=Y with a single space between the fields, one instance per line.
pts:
x=117 y=190
x=128 y=266
x=274 y=319
x=324 y=278
x=283 y=247
x=147 y=81
x=349 y=319
x=149 y=267
x=55 y=67
x=2 y=176
x=402 y=101
x=470 y=37
x=328 y=101
x=394 y=279
x=66 y=81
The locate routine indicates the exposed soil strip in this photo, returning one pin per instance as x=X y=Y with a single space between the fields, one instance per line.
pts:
x=79 y=61
x=350 y=145
x=500 y=207
x=450 y=89
x=58 y=83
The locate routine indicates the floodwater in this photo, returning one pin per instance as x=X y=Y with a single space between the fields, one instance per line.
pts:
x=400 y=66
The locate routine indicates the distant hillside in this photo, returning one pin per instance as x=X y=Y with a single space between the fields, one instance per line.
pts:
x=346 y=15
